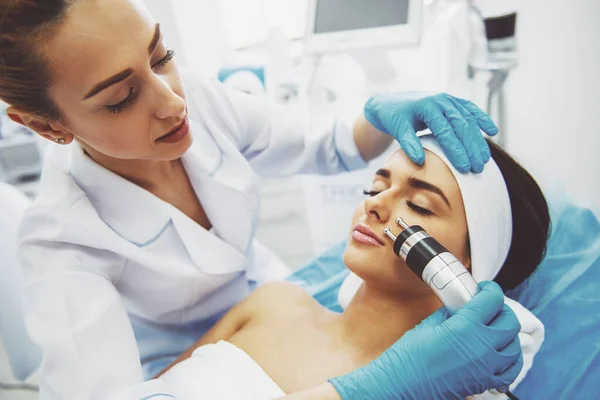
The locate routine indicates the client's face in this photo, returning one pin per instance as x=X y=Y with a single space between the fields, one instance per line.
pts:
x=427 y=196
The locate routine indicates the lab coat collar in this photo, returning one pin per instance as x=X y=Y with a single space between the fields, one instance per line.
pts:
x=227 y=187
x=131 y=211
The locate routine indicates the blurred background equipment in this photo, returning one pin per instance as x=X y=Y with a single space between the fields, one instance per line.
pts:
x=342 y=25
x=20 y=157
x=495 y=52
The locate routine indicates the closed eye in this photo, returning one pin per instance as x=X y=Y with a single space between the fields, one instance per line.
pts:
x=421 y=210
x=122 y=106
x=418 y=209
x=167 y=59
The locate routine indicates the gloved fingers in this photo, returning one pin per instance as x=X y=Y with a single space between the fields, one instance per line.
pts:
x=509 y=355
x=411 y=145
x=466 y=129
x=484 y=148
x=380 y=108
x=510 y=374
x=432 y=114
x=483 y=120
x=506 y=327
x=485 y=305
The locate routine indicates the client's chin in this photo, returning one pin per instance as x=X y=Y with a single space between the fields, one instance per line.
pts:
x=376 y=265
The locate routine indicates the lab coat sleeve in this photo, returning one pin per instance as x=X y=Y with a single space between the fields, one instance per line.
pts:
x=276 y=140
x=74 y=312
x=77 y=317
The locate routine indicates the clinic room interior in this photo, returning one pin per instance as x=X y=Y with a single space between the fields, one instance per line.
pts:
x=303 y=199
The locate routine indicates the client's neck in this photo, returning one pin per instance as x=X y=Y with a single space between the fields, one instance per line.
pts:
x=374 y=319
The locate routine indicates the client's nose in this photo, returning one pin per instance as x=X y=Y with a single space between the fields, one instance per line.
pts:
x=377 y=208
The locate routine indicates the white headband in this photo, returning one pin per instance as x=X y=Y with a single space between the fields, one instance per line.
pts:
x=488 y=212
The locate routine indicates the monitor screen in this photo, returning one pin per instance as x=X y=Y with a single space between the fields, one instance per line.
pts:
x=346 y=15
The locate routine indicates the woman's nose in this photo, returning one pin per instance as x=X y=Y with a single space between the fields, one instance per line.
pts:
x=378 y=207
x=168 y=103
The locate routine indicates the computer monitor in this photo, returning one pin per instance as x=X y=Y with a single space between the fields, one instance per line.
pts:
x=342 y=25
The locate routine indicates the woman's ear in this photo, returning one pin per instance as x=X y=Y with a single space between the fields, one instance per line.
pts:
x=53 y=131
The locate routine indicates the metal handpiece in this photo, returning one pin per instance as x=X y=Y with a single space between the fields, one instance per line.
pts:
x=401 y=222
x=389 y=234
x=436 y=266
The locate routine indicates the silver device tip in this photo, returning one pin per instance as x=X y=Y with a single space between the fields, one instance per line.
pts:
x=401 y=222
x=387 y=232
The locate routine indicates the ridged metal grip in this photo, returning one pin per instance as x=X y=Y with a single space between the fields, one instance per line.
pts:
x=450 y=280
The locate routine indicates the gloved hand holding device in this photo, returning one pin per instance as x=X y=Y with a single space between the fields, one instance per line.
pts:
x=445 y=358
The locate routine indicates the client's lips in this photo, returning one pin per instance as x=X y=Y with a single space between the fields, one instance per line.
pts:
x=176 y=134
x=364 y=234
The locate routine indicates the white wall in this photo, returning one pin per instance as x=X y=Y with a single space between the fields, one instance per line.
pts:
x=553 y=98
x=195 y=29
x=248 y=22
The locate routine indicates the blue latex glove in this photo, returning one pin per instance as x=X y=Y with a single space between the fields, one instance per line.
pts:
x=475 y=350
x=455 y=123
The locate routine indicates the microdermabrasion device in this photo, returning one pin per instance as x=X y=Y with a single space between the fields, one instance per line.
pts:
x=438 y=268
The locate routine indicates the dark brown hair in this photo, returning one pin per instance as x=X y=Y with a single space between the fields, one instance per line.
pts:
x=530 y=218
x=24 y=73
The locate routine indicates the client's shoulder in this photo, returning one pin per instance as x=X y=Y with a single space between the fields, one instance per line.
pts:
x=287 y=292
x=282 y=298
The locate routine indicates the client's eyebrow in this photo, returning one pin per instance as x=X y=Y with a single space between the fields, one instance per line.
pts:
x=121 y=76
x=419 y=184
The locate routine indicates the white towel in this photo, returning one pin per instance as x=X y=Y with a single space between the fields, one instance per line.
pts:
x=531 y=337
x=220 y=371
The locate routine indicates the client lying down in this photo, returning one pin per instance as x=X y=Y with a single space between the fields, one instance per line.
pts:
x=280 y=340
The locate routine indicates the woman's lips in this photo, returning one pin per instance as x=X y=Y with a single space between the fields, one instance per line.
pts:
x=364 y=234
x=178 y=134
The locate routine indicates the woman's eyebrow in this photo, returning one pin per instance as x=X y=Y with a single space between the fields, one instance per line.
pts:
x=419 y=184
x=155 y=39
x=121 y=76
x=113 y=80
x=383 y=173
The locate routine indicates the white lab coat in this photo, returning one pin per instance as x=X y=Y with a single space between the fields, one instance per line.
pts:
x=107 y=262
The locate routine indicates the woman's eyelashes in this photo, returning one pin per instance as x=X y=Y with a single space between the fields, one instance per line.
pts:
x=167 y=59
x=370 y=193
x=122 y=106
x=416 y=208
x=421 y=210
x=125 y=104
